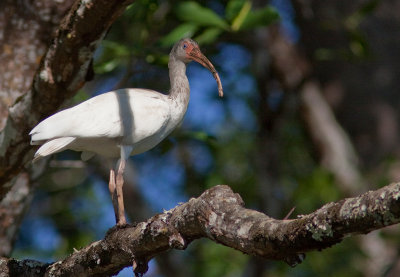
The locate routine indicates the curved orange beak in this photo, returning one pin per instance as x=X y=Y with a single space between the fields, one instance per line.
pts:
x=196 y=55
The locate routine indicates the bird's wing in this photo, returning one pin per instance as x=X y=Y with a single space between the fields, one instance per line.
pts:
x=132 y=114
x=53 y=146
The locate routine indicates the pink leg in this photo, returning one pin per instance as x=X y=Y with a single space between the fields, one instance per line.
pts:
x=113 y=193
x=120 y=182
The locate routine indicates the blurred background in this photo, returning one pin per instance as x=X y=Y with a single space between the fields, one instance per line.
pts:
x=310 y=115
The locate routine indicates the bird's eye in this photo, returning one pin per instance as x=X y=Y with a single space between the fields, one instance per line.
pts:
x=185 y=46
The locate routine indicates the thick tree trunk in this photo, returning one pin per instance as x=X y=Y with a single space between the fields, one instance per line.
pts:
x=26 y=29
x=43 y=63
x=63 y=70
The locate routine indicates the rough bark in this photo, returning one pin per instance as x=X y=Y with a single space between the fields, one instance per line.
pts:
x=63 y=70
x=26 y=28
x=219 y=214
x=12 y=210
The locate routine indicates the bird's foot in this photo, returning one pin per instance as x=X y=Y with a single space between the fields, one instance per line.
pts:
x=113 y=193
x=289 y=213
x=121 y=222
x=117 y=227
x=140 y=266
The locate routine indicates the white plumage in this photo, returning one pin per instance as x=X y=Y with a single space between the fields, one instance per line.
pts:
x=101 y=124
x=124 y=122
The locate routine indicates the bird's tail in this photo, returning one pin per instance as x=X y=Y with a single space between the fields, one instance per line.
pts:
x=52 y=146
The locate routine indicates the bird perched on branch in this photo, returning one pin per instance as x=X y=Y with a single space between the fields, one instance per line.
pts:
x=123 y=122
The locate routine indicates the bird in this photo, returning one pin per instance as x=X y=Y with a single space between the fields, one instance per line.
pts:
x=123 y=122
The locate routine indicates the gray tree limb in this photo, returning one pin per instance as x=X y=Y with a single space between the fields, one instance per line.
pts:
x=219 y=214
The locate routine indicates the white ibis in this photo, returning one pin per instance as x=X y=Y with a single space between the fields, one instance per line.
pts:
x=124 y=122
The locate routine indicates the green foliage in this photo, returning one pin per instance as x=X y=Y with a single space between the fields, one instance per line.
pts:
x=80 y=97
x=208 y=25
x=195 y=13
x=235 y=8
x=340 y=260
x=114 y=53
x=242 y=17
x=255 y=19
x=202 y=136
x=355 y=19
x=209 y=35
x=358 y=41
x=136 y=47
x=214 y=260
x=358 y=47
x=303 y=179
x=315 y=190
x=183 y=30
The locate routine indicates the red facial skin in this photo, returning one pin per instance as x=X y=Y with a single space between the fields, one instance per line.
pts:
x=193 y=53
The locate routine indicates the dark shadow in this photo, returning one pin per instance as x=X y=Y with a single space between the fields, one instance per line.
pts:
x=126 y=115
x=26 y=268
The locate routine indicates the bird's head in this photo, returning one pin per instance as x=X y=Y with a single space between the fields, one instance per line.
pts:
x=188 y=50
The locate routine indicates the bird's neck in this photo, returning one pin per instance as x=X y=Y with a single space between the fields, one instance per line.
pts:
x=180 y=91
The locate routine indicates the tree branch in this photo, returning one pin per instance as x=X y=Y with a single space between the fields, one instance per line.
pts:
x=63 y=70
x=218 y=214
